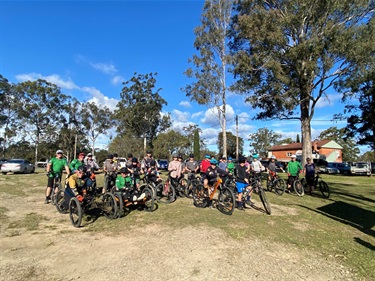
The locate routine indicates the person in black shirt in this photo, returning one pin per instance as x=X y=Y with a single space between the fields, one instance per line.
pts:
x=242 y=181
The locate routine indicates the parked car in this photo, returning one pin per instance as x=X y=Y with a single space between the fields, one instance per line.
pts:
x=17 y=166
x=122 y=161
x=344 y=168
x=163 y=164
x=2 y=161
x=361 y=168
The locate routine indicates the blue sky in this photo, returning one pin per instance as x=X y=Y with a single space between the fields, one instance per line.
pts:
x=88 y=48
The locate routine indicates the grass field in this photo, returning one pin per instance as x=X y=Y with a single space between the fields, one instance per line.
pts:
x=339 y=228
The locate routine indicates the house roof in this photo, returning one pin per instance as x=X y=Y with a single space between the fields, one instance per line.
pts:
x=298 y=145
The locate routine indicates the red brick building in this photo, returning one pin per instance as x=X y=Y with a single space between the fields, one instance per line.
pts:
x=329 y=148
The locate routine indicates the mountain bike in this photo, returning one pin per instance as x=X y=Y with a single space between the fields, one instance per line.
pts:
x=189 y=183
x=165 y=192
x=257 y=188
x=224 y=201
x=318 y=182
x=55 y=188
x=275 y=183
x=298 y=186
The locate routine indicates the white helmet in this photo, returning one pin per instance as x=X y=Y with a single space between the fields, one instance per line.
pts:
x=273 y=157
x=293 y=156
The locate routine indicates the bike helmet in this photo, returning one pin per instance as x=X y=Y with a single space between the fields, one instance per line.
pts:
x=124 y=170
x=115 y=155
x=59 y=151
x=153 y=163
x=242 y=159
x=82 y=169
x=273 y=157
x=230 y=158
x=308 y=158
x=191 y=155
x=134 y=160
x=110 y=156
x=148 y=152
x=255 y=156
x=130 y=155
x=213 y=161
x=293 y=156
x=208 y=156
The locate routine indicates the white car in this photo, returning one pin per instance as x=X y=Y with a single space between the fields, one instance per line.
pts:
x=17 y=166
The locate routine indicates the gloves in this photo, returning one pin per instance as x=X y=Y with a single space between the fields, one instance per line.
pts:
x=80 y=198
x=288 y=174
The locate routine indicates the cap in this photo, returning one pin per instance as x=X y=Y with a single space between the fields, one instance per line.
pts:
x=59 y=151
x=81 y=154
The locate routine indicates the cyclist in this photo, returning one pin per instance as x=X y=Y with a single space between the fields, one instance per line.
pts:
x=223 y=163
x=129 y=162
x=77 y=162
x=152 y=172
x=256 y=166
x=90 y=162
x=191 y=166
x=309 y=172
x=124 y=184
x=183 y=165
x=293 y=169
x=136 y=171
x=242 y=181
x=110 y=168
x=145 y=163
x=204 y=165
x=212 y=173
x=55 y=168
x=175 y=170
x=272 y=166
x=230 y=166
x=75 y=185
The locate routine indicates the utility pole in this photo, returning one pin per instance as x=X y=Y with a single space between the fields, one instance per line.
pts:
x=237 y=137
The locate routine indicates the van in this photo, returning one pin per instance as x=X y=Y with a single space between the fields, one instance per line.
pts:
x=361 y=168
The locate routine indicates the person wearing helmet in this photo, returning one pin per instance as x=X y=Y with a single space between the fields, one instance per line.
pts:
x=242 y=181
x=230 y=166
x=110 y=167
x=256 y=166
x=77 y=162
x=145 y=163
x=272 y=166
x=204 y=165
x=293 y=169
x=152 y=173
x=55 y=168
x=212 y=173
x=309 y=171
x=129 y=161
x=175 y=170
x=136 y=172
x=90 y=162
x=191 y=166
x=75 y=185
x=124 y=185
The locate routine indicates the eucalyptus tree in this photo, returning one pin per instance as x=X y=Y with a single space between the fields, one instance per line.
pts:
x=288 y=54
x=231 y=144
x=96 y=120
x=171 y=142
x=41 y=111
x=262 y=140
x=211 y=64
x=139 y=112
x=9 y=103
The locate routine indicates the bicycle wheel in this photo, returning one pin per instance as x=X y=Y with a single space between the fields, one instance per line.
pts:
x=263 y=198
x=269 y=185
x=61 y=205
x=298 y=187
x=165 y=196
x=279 y=186
x=149 y=200
x=226 y=201
x=182 y=185
x=120 y=204
x=199 y=196
x=109 y=207
x=75 y=212
x=324 y=189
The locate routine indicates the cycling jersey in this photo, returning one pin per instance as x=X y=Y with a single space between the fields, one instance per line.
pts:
x=230 y=167
x=57 y=166
x=75 y=164
x=294 y=167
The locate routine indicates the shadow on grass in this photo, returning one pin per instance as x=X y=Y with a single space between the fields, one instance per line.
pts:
x=351 y=195
x=364 y=243
x=348 y=214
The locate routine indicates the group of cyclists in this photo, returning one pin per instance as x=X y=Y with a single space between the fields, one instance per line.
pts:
x=127 y=178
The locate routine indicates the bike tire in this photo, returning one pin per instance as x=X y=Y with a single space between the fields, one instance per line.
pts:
x=199 y=196
x=298 y=188
x=269 y=185
x=75 y=212
x=264 y=200
x=182 y=185
x=149 y=200
x=279 y=186
x=226 y=201
x=165 y=198
x=61 y=205
x=109 y=207
x=324 y=189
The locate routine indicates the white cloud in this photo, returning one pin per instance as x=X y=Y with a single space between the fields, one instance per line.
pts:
x=328 y=100
x=210 y=135
x=211 y=115
x=118 y=79
x=99 y=98
x=107 y=68
x=185 y=104
x=54 y=78
x=180 y=116
x=197 y=114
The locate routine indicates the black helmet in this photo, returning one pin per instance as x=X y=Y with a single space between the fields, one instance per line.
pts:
x=115 y=155
x=82 y=169
x=148 y=152
x=242 y=159
x=134 y=160
x=110 y=156
x=153 y=163
x=191 y=155
x=124 y=170
x=130 y=155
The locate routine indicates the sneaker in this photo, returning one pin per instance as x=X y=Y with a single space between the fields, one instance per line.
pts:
x=135 y=198
x=142 y=196
x=47 y=201
x=241 y=208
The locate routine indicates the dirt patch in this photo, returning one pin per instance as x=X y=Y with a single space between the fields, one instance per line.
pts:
x=57 y=251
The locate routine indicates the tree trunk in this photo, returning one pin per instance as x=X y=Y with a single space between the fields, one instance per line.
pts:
x=305 y=128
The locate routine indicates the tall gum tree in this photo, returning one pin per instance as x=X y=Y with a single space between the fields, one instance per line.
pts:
x=211 y=65
x=289 y=53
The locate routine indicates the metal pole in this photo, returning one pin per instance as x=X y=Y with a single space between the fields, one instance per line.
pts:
x=236 y=136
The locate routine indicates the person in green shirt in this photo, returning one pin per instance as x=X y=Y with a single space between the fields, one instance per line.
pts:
x=293 y=169
x=124 y=184
x=55 y=169
x=230 y=166
x=77 y=162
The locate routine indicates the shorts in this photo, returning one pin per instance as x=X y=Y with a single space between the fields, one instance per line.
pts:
x=241 y=186
x=291 y=179
x=310 y=179
x=51 y=181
